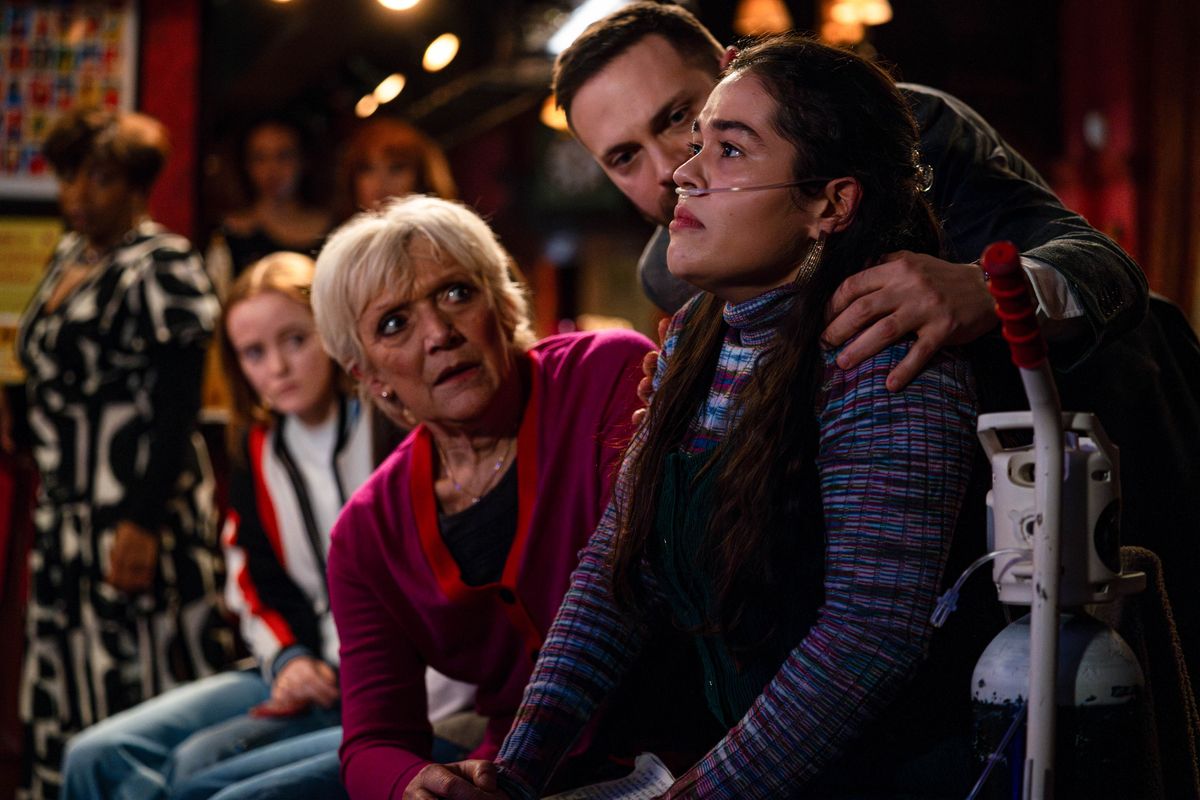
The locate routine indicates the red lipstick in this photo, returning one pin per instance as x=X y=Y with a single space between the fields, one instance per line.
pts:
x=684 y=220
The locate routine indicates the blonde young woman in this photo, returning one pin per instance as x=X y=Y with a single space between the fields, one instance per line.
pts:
x=457 y=551
x=301 y=445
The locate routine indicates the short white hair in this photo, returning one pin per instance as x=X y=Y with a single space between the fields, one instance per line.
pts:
x=371 y=252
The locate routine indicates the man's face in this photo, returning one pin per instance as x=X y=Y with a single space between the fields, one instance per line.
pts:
x=635 y=118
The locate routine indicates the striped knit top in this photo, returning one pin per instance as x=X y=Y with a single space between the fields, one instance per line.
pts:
x=893 y=469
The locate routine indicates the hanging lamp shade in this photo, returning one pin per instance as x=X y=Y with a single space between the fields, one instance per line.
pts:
x=758 y=17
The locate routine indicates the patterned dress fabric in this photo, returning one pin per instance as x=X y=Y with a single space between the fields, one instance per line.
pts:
x=111 y=407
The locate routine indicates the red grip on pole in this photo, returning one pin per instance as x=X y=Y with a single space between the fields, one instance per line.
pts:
x=1014 y=304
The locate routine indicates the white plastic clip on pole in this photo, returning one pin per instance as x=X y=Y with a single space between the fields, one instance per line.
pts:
x=1018 y=318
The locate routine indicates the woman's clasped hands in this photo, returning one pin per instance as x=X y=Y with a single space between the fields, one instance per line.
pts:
x=473 y=779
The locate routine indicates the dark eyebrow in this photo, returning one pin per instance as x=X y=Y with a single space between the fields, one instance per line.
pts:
x=734 y=125
x=662 y=118
x=619 y=147
x=658 y=123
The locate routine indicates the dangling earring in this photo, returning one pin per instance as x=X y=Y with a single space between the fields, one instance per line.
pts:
x=812 y=259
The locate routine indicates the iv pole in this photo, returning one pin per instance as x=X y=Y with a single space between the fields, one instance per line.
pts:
x=1002 y=263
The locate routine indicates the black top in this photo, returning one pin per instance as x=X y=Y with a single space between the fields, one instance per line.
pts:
x=246 y=248
x=480 y=536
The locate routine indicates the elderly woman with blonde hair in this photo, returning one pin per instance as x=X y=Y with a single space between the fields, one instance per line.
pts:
x=300 y=444
x=455 y=553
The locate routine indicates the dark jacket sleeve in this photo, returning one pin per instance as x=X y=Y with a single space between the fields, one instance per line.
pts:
x=174 y=309
x=984 y=191
x=176 y=400
x=267 y=590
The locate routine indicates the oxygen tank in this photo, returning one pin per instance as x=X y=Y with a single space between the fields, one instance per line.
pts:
x=1053 y=532
x=1103 y=734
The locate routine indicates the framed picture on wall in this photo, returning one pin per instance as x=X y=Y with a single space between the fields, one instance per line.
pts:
x=56 y=55
x=26 y=243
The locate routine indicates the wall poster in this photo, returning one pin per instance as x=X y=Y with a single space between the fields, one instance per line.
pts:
x=55 y=56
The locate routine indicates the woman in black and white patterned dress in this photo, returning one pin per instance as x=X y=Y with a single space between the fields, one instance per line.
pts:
x=125 y=569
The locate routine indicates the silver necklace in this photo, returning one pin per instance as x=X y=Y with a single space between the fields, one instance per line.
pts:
x=475 y=498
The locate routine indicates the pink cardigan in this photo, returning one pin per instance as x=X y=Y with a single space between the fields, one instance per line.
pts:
x=396 y=593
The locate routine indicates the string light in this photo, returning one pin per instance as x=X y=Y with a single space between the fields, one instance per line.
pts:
x=441 y=51
x=758 y=17
x=875 y=12
x=584 y=14
x=366 y=106
x=846 y=21
x=860 y=12
x=388 y=88
x=552 y=116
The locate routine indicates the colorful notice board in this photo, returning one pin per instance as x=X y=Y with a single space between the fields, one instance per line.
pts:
x=26 y=244
x=55 y=56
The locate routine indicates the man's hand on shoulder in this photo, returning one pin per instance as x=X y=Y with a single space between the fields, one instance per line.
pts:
x=908 y=293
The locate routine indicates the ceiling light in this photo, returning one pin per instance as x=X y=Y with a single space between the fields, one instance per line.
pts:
x=875 y=12
x=441 y=51
x=388 y=88
x=864 y=12
x=366 y=106
x=838 y=33
x=552 y=116
x=758 y=17
x=398 y=5
x=588 y=12
x=845 y=12
x=846 y=21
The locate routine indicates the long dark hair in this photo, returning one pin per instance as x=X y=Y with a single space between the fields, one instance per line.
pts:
x=845 y=117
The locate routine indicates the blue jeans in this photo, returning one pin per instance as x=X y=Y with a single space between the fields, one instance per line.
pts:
x=302 y=768
x=140 y=753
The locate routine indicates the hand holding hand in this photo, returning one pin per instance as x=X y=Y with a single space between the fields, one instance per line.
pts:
x=303 y=681
x=645 y=388
x=909 y=293
x=461 y=780
x=133 y=559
